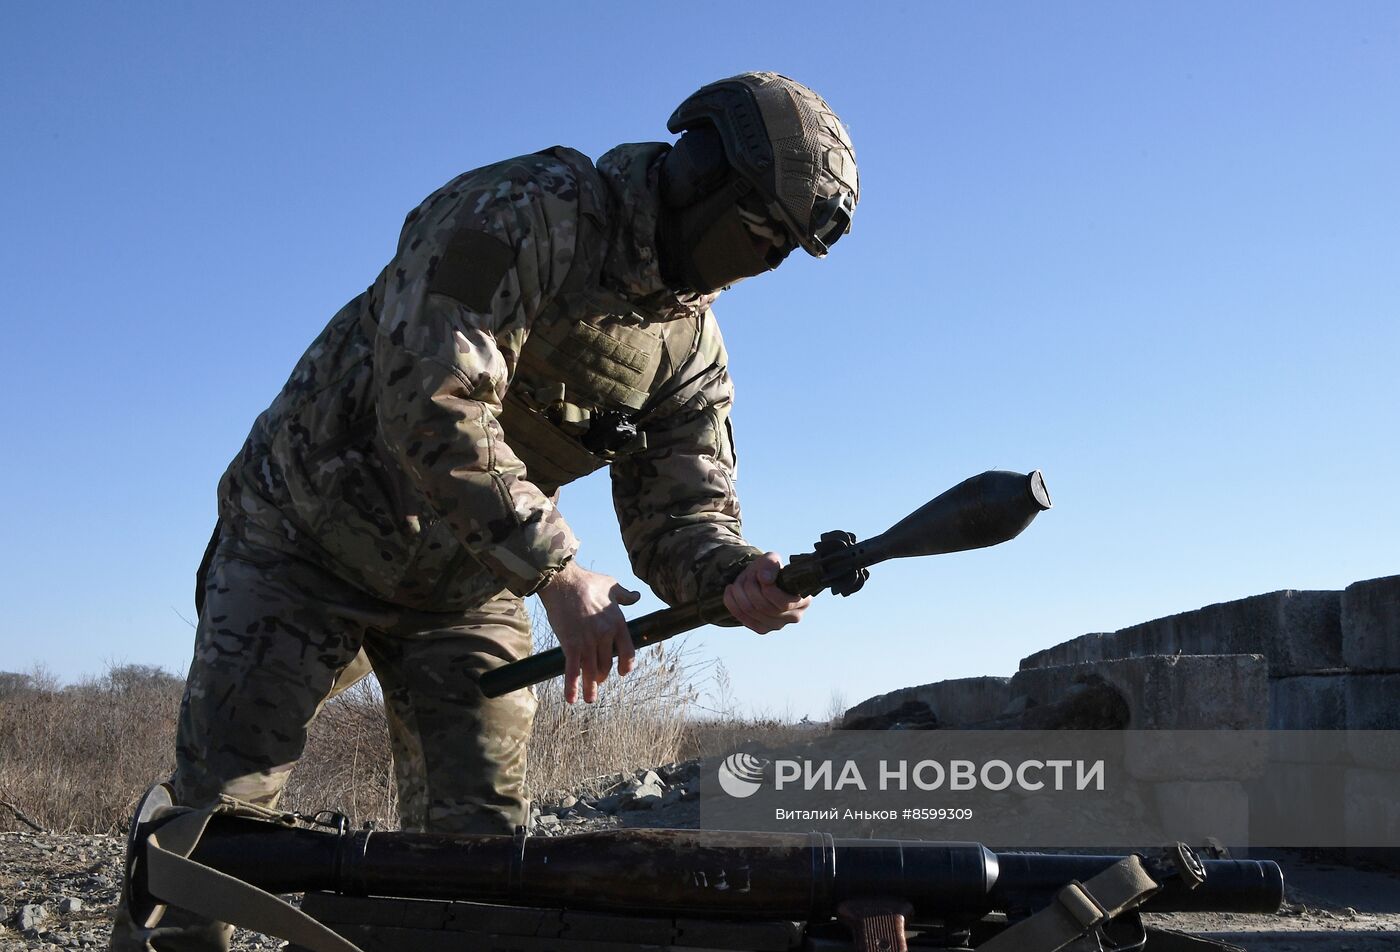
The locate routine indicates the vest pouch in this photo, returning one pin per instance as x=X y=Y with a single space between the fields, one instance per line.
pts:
x=552 y=457
x=604 y=363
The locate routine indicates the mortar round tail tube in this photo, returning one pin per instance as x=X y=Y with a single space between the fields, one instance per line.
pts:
x=983 y=510
x=688 y=872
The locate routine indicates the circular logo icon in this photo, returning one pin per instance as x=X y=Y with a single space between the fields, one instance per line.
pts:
x=740 y=775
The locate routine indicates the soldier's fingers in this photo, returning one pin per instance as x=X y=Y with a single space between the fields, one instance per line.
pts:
x=775 y=599
x=625 y=596
x=626 y=651
x=572 y=668
x=792 y=606
x=762 y=604
x=737 y=600
x=590 y=682
x=602 y=652
x=787 y=618
x=763 y=571
x=767 y=566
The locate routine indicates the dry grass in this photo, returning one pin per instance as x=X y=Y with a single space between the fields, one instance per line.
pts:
x=720 y=727
x=347 y=766
x=638 y=721
x=75 y=759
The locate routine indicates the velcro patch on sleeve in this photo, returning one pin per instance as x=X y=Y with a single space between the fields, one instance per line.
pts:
x=471 y=269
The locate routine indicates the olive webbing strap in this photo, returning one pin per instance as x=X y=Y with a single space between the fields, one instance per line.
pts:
x=174 y=878
x=1077 y=908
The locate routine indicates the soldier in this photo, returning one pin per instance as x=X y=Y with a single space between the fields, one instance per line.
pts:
x=543 y=317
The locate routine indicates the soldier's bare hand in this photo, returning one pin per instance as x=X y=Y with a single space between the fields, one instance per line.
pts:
x=755 y=599
x=584 y=609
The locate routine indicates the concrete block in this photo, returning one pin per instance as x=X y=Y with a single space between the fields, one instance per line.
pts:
x=1192 y=811
x=1330 y=747
x=1373 y=702
x=1088 y=647
x=1178 y=693
x=1308 y=703
x=952 y=703
x=1186 y=715
x=1373 y=808
x=1373 y=719
x=1375 y=749
x=1371 y=625
x=1195 y=755
x=1299 y=632
x=1289 y=797
x=969 y=700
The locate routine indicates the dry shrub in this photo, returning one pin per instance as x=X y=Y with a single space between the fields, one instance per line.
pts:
x=74 y=759
x=347 y=766
x=638 y=721
x=721 y=727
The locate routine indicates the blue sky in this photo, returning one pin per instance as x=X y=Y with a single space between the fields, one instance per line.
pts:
x=1150 y=249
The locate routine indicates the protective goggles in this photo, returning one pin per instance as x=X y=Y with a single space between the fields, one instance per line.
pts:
x=831 y=218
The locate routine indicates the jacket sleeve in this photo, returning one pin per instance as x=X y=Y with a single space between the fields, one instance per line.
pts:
x=475 y=266
x=675 y=500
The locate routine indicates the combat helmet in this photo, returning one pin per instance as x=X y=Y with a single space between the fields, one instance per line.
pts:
x=759 y=152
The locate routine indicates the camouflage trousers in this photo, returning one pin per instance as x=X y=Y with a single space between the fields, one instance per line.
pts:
x=278 y=637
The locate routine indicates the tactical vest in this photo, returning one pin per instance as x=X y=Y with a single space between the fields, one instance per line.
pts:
x=588 y=368
x=587 y=357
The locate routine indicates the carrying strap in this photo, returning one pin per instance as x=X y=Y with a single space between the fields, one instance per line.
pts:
x=1078 y=908
x=174 y=878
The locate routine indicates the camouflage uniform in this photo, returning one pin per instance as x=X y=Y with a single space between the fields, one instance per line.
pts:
x=395 y=496
x=393 y=503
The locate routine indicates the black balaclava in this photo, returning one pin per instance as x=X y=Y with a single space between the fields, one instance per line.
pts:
x=702 y=239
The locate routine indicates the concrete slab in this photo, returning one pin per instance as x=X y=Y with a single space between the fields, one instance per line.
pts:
x=1285 y=792
x=1373 y=808
x=1088 y=647
x=952 y=703
x=1373 y=718
x=1373 y=702
x=1308 y=703
x=1299 y=632
x=1322 y=747
x=1191 y=811
x=1371 y=625
x=1189 y=692
x=1174 y=705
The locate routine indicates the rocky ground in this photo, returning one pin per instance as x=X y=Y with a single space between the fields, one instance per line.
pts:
x=57 y=891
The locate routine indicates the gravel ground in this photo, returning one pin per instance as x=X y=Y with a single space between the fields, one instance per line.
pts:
x=57 y=891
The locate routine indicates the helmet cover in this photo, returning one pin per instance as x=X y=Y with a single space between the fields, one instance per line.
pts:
x=785 y=141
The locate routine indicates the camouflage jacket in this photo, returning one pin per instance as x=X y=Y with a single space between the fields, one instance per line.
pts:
x=410 y=453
